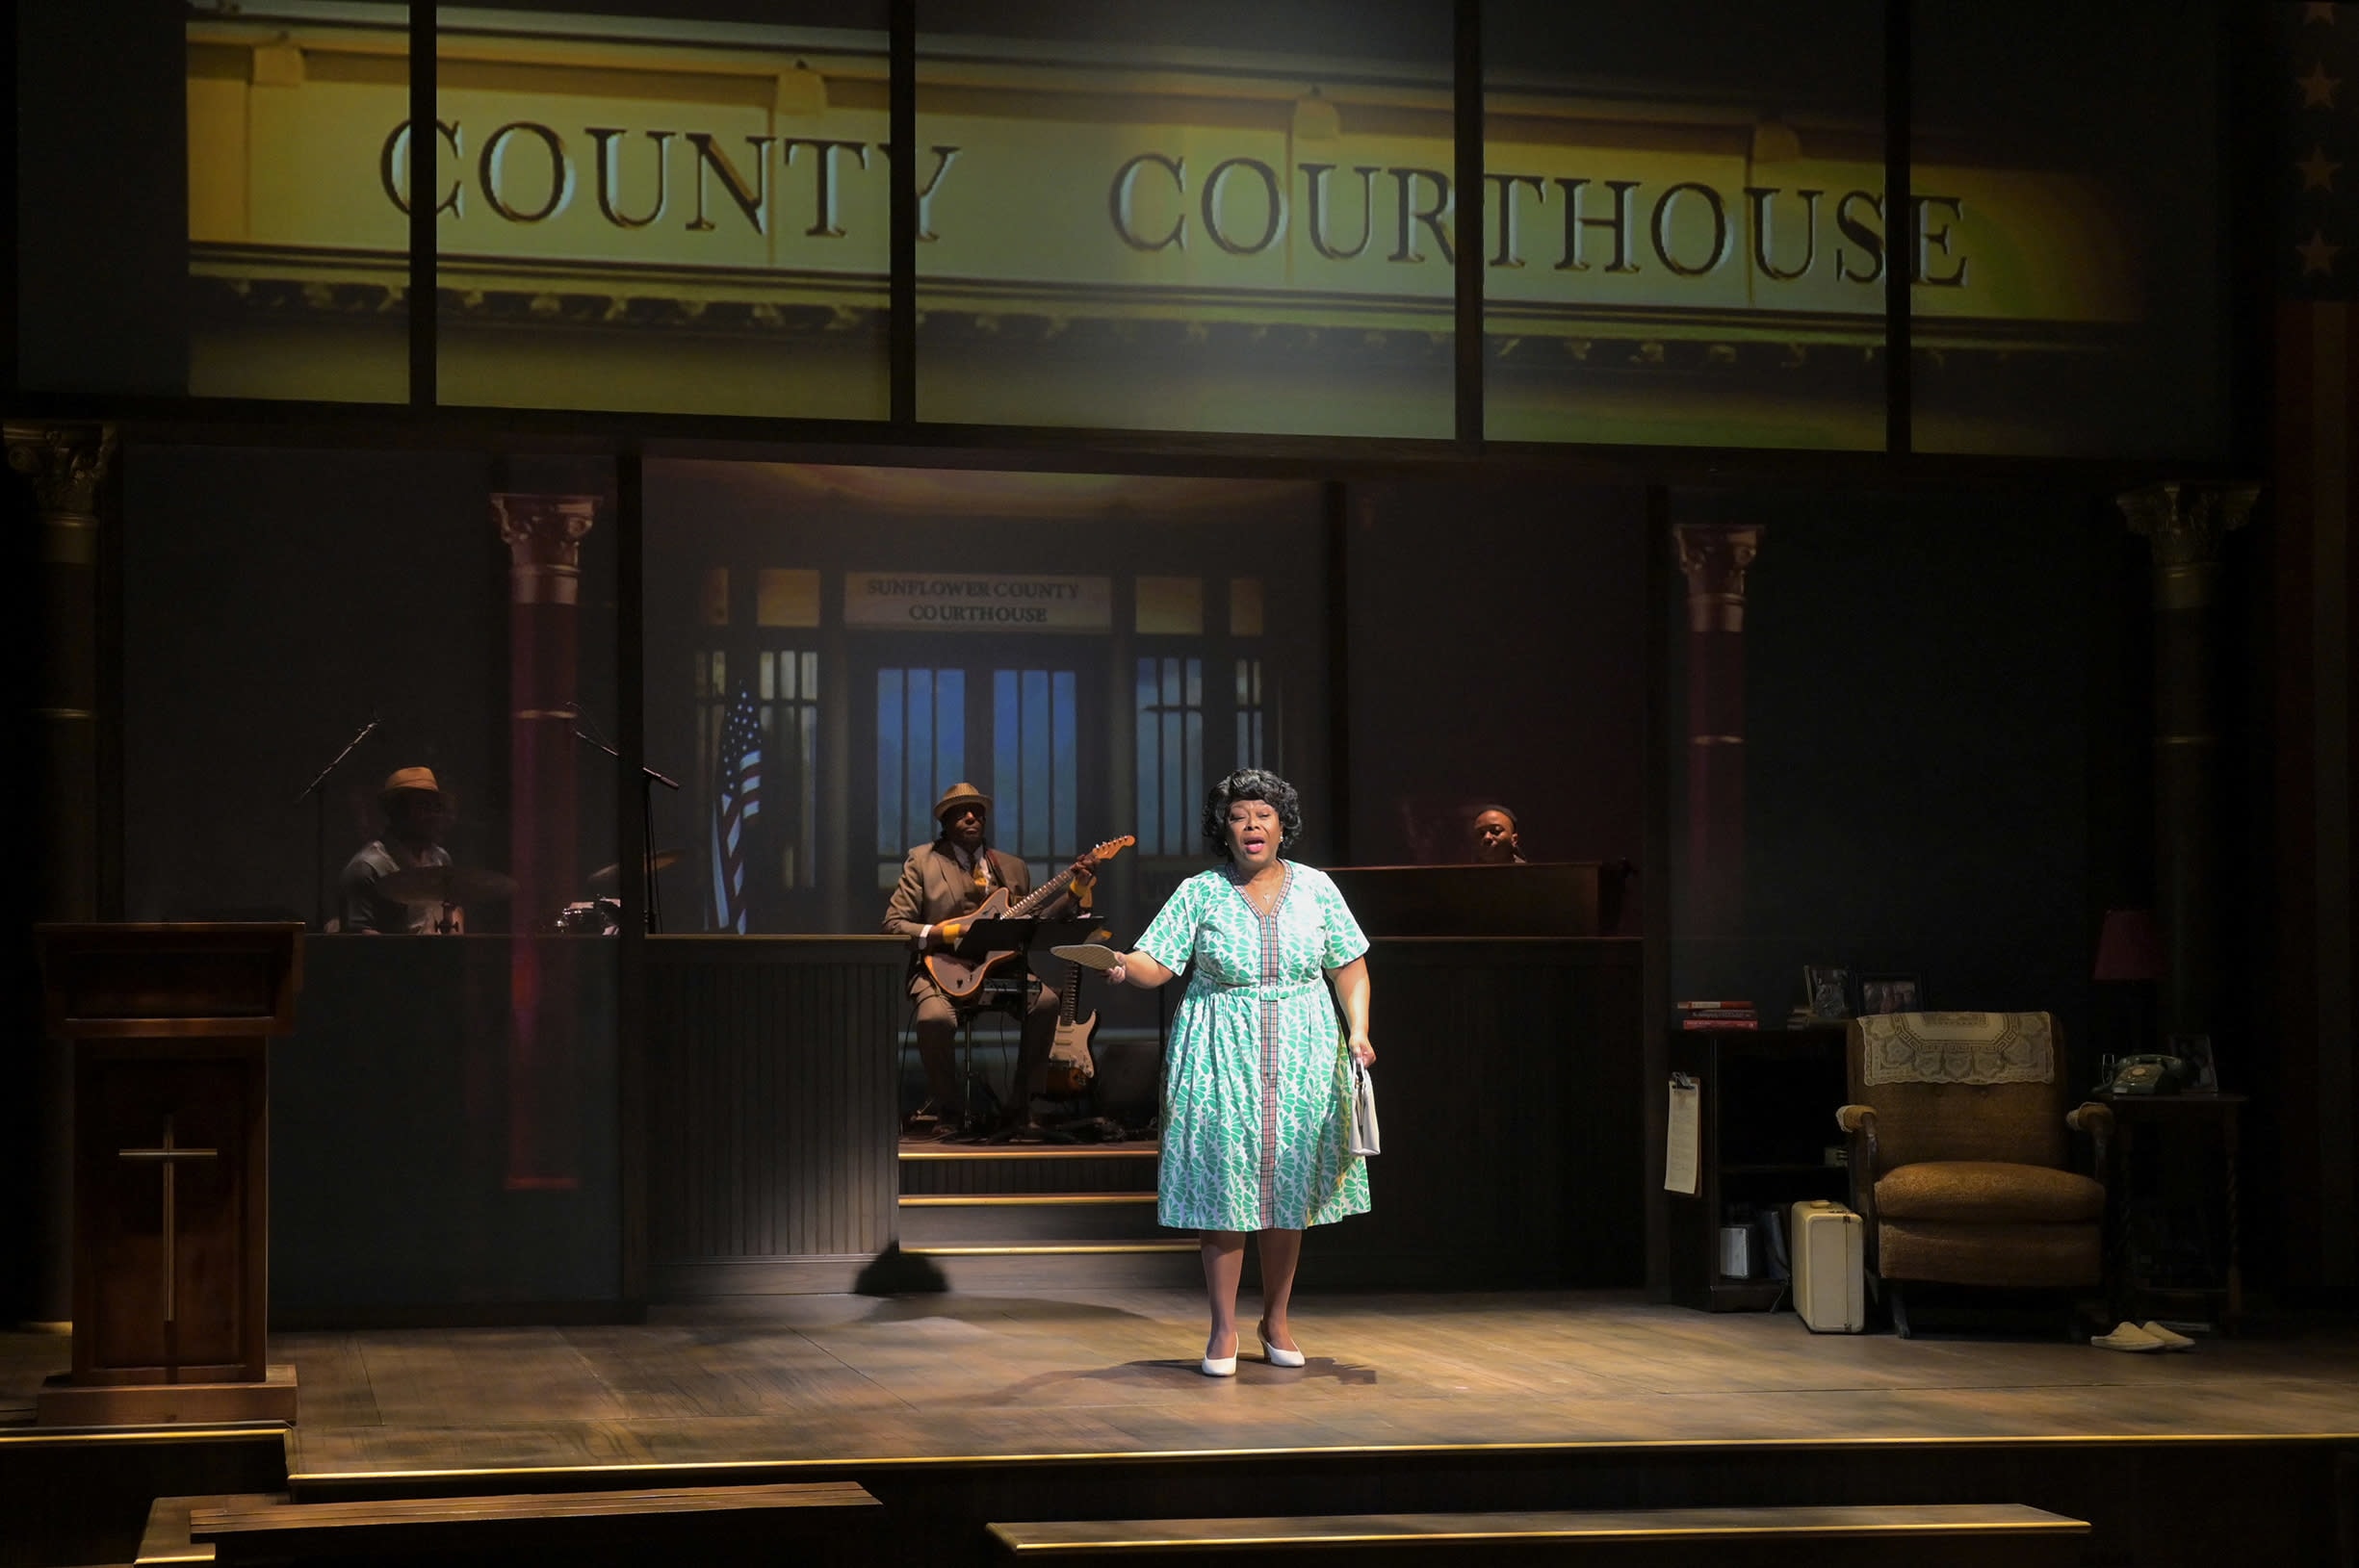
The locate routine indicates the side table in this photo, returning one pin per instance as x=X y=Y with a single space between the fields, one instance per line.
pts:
x=2159 y=1120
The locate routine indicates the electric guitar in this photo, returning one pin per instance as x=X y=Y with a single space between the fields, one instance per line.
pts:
x=961 y=978
x=1071 y=1067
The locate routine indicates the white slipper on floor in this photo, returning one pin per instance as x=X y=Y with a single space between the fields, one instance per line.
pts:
x=2170 y=1339
x=1088 y=955
x=2126 y=1336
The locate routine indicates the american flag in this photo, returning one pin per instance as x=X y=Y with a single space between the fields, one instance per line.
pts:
x=2315 y=237
x=736 y=800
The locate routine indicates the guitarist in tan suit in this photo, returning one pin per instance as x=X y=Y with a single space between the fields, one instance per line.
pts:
x=941 y=883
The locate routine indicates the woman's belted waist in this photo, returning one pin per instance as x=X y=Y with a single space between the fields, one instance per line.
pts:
x=1279 y=989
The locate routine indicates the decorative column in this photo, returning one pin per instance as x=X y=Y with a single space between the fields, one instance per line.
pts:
x=64 y=466
x=1713 y=557
x=543 y=535
x=2186 y=524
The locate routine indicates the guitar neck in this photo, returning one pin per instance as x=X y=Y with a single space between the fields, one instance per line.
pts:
x=1039 y=897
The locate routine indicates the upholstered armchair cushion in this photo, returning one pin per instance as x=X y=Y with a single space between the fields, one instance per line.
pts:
x=2011 y=1257
x=1988 y=1191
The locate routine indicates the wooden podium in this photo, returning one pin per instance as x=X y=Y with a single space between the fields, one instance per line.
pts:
x=171 y=1027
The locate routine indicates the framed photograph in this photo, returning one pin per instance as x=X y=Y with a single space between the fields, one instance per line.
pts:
x=1890 y=994
x=2195 y=1051
x=1826 y=990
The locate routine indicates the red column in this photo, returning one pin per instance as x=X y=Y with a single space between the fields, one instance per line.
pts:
x=543 y=535
x=1713 y=557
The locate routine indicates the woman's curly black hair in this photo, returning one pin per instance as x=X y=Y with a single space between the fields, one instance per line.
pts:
x=1251 y=783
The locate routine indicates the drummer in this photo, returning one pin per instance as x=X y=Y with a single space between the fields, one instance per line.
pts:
x=416 y=813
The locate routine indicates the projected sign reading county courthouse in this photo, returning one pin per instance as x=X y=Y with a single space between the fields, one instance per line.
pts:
x=729 y=195
x=528 y=172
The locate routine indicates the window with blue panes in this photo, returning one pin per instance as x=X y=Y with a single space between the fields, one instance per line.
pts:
x=1171 y=754
x=1257 y=725
x=920 y=751
x=1035 y=767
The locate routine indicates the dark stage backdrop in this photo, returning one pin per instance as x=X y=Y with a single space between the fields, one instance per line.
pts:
x=1497 y=642
x=1942 y=720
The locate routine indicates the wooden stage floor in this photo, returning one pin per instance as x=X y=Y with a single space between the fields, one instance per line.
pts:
x=820 y=1380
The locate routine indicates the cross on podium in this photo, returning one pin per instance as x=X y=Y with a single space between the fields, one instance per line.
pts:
x=170 y=1156
x=171 y=1027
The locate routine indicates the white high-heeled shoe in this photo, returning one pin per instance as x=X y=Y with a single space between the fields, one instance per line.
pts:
x=1219 y=1366
x=1277 y=1355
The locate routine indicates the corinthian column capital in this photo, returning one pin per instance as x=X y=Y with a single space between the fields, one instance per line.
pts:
x=2186 y=524
x=1713 y=557
x=543 y=535
x=64 y=464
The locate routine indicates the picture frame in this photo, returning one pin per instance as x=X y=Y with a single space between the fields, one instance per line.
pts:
x=1890 y=994
x=1827 y=991
x=2195 y=1051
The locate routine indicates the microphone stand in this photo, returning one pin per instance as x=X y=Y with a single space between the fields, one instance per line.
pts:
x=649 y=777
x=316 y=792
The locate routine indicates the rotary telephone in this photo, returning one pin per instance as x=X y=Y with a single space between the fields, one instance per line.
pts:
x=2148 y=1075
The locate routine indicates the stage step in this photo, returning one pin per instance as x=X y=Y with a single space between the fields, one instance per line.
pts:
x=1000 y=1217
x=999 y=1271
x=83 y=1496
x=1028 y=1219
x=1004 y=1169
x=807 y=1522
x=1953 y=1535
x=166 y=1537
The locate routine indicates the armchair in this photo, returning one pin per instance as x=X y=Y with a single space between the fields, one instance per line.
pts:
x=1958 y=1142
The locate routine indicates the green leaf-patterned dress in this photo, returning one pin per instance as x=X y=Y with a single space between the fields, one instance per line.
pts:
x=1255 y=1081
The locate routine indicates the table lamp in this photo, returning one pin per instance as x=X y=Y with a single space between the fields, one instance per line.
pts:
x=2129 y=954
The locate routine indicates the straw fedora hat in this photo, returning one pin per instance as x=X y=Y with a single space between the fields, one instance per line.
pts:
x=404 y=780
x=959 y=794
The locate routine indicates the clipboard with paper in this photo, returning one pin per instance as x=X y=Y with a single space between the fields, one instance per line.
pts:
x=1683 y=1135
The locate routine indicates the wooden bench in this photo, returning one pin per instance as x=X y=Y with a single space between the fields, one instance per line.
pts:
x=1955 y=1536
x=684 y=1523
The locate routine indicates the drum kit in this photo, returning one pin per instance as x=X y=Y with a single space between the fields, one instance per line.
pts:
x=451 y=889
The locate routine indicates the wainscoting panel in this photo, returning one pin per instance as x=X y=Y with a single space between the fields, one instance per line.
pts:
x=1508 y=1082
x=772 y=1120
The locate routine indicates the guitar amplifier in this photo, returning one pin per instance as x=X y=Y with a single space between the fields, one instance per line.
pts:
x=1829 y=1268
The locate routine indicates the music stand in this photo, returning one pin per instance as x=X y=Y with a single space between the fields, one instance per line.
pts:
x=1016 y=937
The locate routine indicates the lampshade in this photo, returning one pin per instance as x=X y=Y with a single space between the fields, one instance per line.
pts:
x=2129 y=947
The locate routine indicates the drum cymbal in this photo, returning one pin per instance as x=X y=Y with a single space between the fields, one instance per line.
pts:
x=447 y=885
x=611 y=876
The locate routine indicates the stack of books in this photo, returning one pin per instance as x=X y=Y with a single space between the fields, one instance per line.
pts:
x=1719 y=1015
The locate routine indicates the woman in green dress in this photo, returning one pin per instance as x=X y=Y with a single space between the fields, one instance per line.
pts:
x=1255 y=1083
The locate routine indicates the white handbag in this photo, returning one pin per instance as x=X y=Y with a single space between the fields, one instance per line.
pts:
x=1364 y=1137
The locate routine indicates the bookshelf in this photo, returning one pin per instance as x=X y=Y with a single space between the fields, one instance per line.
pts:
x=1768 y=1114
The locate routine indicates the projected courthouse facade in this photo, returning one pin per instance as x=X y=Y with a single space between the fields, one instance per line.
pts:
x=641 y=215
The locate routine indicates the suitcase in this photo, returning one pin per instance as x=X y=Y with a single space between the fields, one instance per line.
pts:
x=1830 y=1268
